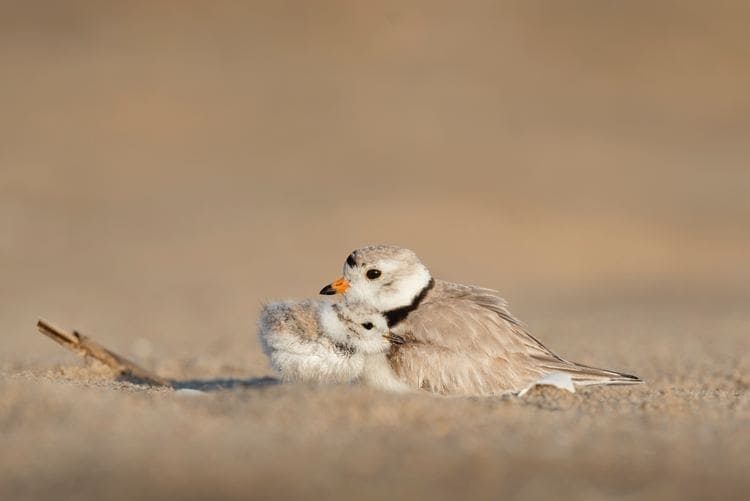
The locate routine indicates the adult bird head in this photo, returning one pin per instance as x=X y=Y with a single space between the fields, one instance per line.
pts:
x=382 y=276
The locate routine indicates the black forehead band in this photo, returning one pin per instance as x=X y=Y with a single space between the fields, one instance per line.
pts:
x=350 y=260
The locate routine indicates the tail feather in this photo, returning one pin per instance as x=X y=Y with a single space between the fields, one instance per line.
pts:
x=584 y=375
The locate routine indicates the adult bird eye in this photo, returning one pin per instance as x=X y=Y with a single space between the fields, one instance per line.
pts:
x=368 y=325
x=373 y=274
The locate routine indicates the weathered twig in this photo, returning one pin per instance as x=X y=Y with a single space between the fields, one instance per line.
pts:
x=86 y=347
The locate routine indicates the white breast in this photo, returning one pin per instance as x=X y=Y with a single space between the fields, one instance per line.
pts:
x=377 y=373
x=319 y=362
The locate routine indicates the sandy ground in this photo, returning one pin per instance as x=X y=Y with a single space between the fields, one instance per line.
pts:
x=166 y=167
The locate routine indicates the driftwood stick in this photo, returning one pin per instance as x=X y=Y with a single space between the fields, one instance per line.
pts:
x=86 y=347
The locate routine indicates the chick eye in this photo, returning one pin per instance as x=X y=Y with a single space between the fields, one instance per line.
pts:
x=373 y=274
x=368 y=325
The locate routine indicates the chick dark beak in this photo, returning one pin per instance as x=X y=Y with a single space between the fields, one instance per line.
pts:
x=337 y=287
x=394 y=338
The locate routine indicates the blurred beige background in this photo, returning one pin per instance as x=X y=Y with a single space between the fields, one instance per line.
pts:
x=167 y=166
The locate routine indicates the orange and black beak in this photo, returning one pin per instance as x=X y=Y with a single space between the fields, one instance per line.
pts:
x=337 y=287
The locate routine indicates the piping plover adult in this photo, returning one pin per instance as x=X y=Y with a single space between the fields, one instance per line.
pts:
x=453 y=339
x=325 y=342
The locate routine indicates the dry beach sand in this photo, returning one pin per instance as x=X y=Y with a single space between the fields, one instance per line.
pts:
x=166 y=167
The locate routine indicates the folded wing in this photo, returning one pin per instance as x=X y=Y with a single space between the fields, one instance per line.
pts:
x=463 y=340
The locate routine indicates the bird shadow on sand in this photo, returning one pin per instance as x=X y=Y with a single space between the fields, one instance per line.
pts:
x=207 y=385
x=220 y=384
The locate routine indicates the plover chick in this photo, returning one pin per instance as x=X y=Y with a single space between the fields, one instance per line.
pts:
x=457 y=339
x=325 y=342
